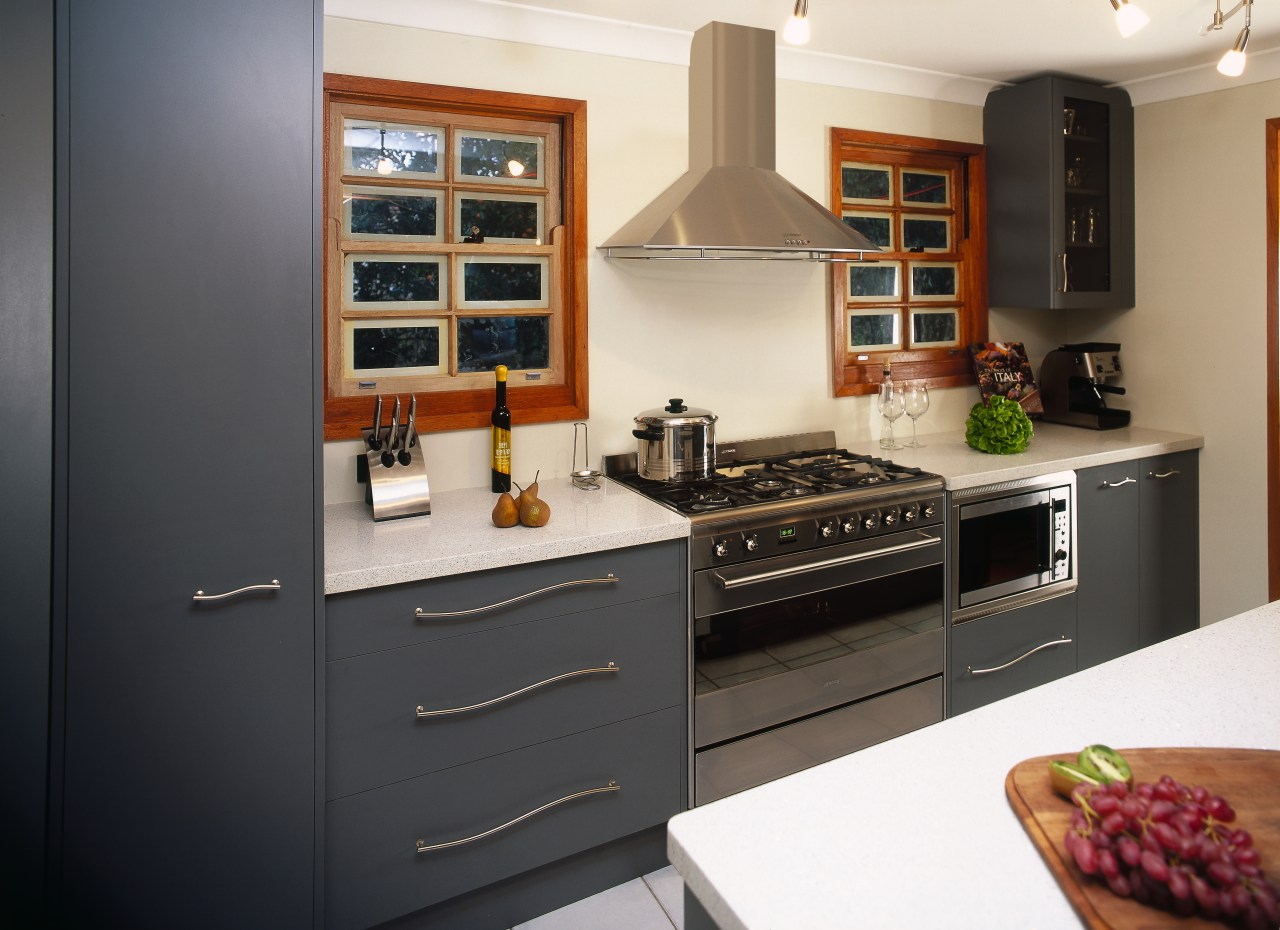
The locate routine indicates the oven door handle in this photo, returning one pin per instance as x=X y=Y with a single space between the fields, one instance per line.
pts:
x=727 y=584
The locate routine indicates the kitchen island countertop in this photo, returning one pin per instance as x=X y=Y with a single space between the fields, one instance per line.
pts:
x=457 y=536
x=917 y=831
x=1054 y=447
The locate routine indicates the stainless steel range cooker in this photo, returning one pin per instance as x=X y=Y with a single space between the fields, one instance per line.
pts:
x=817 y=604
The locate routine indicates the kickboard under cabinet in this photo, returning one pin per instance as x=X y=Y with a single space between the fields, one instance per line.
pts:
x=374 y=872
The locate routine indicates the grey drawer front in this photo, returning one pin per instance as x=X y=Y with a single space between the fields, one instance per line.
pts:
x=989 y=642
x=374 y=736
x=373 y=871
x=383 y=618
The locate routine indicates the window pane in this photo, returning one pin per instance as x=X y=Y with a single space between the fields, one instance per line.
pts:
x=926 y=233
x=510 y=218
x=514 y=341
x=934 y=328
x=391 y=149
x=873 y=282
x=921 y=186
x=873 y=330
x=404 y=281
x=374 y=348
x=878 y=227
x=510 y=281
x=505 y=159
x=933 y=281
x=390 y=213
x=871 y=183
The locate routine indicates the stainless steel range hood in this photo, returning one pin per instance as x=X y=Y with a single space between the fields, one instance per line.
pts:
x=731 y=203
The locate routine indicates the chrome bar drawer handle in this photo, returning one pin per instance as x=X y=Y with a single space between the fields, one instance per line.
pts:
x=612 y=786
x=1167 y=474
x=1000 y=668
x=201 y=596
x=421 y=614
x=1118 y=484
x=421 y=712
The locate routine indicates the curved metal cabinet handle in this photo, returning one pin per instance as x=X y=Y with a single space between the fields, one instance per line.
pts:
x=1118 y=484
x=1000 y=668
x=1171 y=473
x=420 y=712
x=1066 y=280
x=612 y=786
x=421 y=614
x=201 y=596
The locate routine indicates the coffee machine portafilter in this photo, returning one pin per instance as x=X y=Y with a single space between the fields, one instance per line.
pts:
x=1073 y=380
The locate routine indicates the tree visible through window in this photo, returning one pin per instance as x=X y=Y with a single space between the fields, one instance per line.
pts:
x=454 y=242
x=923 y=298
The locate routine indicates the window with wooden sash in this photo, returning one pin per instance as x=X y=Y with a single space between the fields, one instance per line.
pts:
x=923 y=299
x=455 y=224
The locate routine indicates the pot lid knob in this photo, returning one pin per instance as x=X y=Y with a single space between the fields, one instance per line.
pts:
x=676 y=405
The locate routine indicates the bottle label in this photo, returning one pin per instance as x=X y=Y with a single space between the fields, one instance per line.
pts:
x=502 y=450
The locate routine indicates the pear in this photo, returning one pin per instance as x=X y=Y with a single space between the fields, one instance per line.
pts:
x=529 y=494
x=505 y=511
x=534 y=511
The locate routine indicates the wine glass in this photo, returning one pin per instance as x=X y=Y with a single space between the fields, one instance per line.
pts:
x=916 y=402
x=892 y=405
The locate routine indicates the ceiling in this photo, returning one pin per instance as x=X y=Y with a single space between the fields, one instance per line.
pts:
x=948 y=49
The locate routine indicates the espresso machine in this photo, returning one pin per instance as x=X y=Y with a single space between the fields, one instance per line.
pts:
x=1074 y=380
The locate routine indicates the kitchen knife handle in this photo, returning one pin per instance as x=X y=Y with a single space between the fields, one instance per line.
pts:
x=612 y=786
x=1118 y=484
x=420 y=614
x=421 y=712
x=201 y=596
x=1030 y=652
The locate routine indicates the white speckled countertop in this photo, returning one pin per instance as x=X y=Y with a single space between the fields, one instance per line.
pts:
x=917 y=832
x=1054 y=447
x=458 y=537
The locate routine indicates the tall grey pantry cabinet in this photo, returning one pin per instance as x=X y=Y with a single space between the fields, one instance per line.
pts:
x=184 y=734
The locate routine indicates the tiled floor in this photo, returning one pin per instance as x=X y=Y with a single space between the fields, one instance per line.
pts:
x=654 y=902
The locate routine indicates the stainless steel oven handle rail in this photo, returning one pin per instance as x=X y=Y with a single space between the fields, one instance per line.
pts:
x=420 y=614
x=422 y=712
x=1118 y=484
x=1030 y=652
x=201 y=596
x=730 y=583
x=612 y=786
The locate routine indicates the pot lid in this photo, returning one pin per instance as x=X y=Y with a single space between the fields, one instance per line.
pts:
x=676 y=414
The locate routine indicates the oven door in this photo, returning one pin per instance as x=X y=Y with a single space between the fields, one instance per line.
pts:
x=779 y=640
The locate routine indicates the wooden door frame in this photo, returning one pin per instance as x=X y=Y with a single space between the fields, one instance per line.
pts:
x=1273 y=358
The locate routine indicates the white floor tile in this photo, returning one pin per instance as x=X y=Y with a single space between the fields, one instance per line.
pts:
x=668 y=887
x=630 y=906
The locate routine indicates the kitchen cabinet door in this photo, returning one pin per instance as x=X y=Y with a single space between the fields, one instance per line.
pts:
x=1107 y=561
x=1170 y=562
x=1060 y=195
x=188 y=225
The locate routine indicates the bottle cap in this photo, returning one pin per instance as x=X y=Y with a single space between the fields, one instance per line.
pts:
x=501 y=372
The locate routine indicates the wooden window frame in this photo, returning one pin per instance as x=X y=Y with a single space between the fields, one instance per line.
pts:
x=854 y=373
x=470 y=405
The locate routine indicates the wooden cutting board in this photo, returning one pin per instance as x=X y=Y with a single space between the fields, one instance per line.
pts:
x=1248 y=778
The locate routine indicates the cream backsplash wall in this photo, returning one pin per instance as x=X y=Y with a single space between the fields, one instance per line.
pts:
x=746 y=340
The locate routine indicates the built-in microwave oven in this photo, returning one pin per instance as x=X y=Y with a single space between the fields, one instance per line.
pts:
x=1012 y=544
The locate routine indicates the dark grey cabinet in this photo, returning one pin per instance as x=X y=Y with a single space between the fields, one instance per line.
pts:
x=1169 y=560
x=186 y=747
x=1060 y=195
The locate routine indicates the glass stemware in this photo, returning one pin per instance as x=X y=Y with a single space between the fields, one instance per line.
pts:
x=892 y=404
x=916 y=402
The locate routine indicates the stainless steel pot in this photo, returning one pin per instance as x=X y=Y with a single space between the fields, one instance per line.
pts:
x=676 y=443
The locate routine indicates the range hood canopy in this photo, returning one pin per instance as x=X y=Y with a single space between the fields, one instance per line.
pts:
x=731 y=203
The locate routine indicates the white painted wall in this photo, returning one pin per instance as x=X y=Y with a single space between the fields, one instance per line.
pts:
x=750 y=341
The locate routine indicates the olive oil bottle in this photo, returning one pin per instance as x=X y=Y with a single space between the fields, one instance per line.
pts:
x=500 y=441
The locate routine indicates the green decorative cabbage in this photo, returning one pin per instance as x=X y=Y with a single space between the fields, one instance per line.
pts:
x=1002 y=427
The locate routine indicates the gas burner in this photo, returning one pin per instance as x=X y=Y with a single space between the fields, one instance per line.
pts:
x=795 y=492
x=818 y=460
x=764 y=484
x=710 y=500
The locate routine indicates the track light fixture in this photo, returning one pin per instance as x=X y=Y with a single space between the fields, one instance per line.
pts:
x=796 y=32
x=1129 y=17
x=1232 y=63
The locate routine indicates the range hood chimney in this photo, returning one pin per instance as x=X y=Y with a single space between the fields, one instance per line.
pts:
x=731 y=203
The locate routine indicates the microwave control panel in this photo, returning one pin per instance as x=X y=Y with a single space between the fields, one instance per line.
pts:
x=1060 y=499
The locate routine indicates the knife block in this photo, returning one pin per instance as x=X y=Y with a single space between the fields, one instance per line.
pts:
x=397 y=490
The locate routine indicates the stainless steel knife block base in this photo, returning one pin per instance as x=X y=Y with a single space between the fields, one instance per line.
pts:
x=395 y=491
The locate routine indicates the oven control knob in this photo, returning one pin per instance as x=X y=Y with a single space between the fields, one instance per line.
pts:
x=929 y=510
x=909 y=515
x=827 y=528
x=850 y=525
x=721 y=548
x=871 y=521
x=890 y=518
x=752 y=543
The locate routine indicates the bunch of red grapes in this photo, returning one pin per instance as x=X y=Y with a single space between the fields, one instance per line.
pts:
x=1165 y=844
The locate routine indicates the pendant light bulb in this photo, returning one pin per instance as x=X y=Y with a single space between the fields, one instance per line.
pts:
x=515 y=168
x=796 y=32
x=1232 y=63
x=1129 y=17
x=384 y=165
